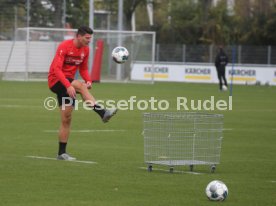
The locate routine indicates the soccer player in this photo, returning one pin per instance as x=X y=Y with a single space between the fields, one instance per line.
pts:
x=72 y=55
x=220 y=63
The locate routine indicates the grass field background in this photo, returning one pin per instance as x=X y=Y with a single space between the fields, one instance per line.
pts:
x=248 y=156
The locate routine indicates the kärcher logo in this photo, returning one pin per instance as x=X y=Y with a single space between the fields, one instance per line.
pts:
x=242 y=72
x=156 y=69
x=197 y=71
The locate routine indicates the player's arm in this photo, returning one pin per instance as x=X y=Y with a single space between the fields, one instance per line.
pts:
x=84 y=71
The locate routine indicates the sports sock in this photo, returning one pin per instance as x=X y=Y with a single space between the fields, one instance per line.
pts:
x=99 y=110
x=62 y=148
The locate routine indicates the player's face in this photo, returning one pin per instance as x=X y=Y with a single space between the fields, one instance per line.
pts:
x=85 y=39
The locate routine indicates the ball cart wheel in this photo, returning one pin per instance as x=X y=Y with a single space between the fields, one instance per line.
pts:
x=213 y=168
x=149 y=168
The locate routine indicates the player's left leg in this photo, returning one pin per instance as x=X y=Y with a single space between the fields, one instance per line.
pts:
x=223 y=76
x=85 y=94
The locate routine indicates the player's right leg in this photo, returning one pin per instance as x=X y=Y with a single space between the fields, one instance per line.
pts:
x=91 y=102
x=65 y=115
x=64 y=132
x=224 y=79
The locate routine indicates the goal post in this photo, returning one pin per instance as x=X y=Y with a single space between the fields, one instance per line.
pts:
x=33 y=49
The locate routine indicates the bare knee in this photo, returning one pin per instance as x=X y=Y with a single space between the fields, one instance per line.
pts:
x=79 y=86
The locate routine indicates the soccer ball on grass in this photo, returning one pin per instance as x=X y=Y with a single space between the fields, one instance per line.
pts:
x=224 y=88
x=216 y=191
x=120 y=54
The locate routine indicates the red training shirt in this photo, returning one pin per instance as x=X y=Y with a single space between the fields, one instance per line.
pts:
x=68 y=59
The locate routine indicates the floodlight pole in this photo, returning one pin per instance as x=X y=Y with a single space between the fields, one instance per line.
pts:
x=64 y=14
x=120 y=28
x=28 y=14
x=15 y=20
x=120 y=14
x=27 y=41
x=232 y=69
x=91 y=25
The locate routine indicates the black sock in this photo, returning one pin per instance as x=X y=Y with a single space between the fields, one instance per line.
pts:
x=62 y=148
x=99 y=110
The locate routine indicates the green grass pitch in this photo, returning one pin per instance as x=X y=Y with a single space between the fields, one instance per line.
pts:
x=247 y=166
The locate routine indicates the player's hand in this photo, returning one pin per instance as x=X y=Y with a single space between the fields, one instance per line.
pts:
x=88 y=85
x=71 y=92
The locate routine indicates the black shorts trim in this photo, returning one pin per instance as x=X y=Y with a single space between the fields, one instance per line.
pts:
x=60 y=90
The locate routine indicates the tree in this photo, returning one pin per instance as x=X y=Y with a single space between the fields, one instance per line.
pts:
x=9 y=11
x=41 y=15
x=180 y=23
x=270 y=29
x=77 y=12
x=175 y=22
x=57 y=20
x=129 y=8
x=218 y=28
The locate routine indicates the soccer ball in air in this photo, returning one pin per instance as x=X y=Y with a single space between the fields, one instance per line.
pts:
x=216 y=191
x=120 y=54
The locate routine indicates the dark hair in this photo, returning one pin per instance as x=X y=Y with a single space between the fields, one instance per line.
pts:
x=84 y=30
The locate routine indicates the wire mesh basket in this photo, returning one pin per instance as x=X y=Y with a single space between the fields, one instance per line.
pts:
x=182 y=138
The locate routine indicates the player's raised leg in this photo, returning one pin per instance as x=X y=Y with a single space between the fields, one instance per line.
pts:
x=91 y=102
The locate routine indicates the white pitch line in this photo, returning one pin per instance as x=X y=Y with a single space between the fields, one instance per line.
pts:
x=50 y=158
x=174 y=171
x=19 y=106
x=88 y=130
x=227 y=129
x=273 y=181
